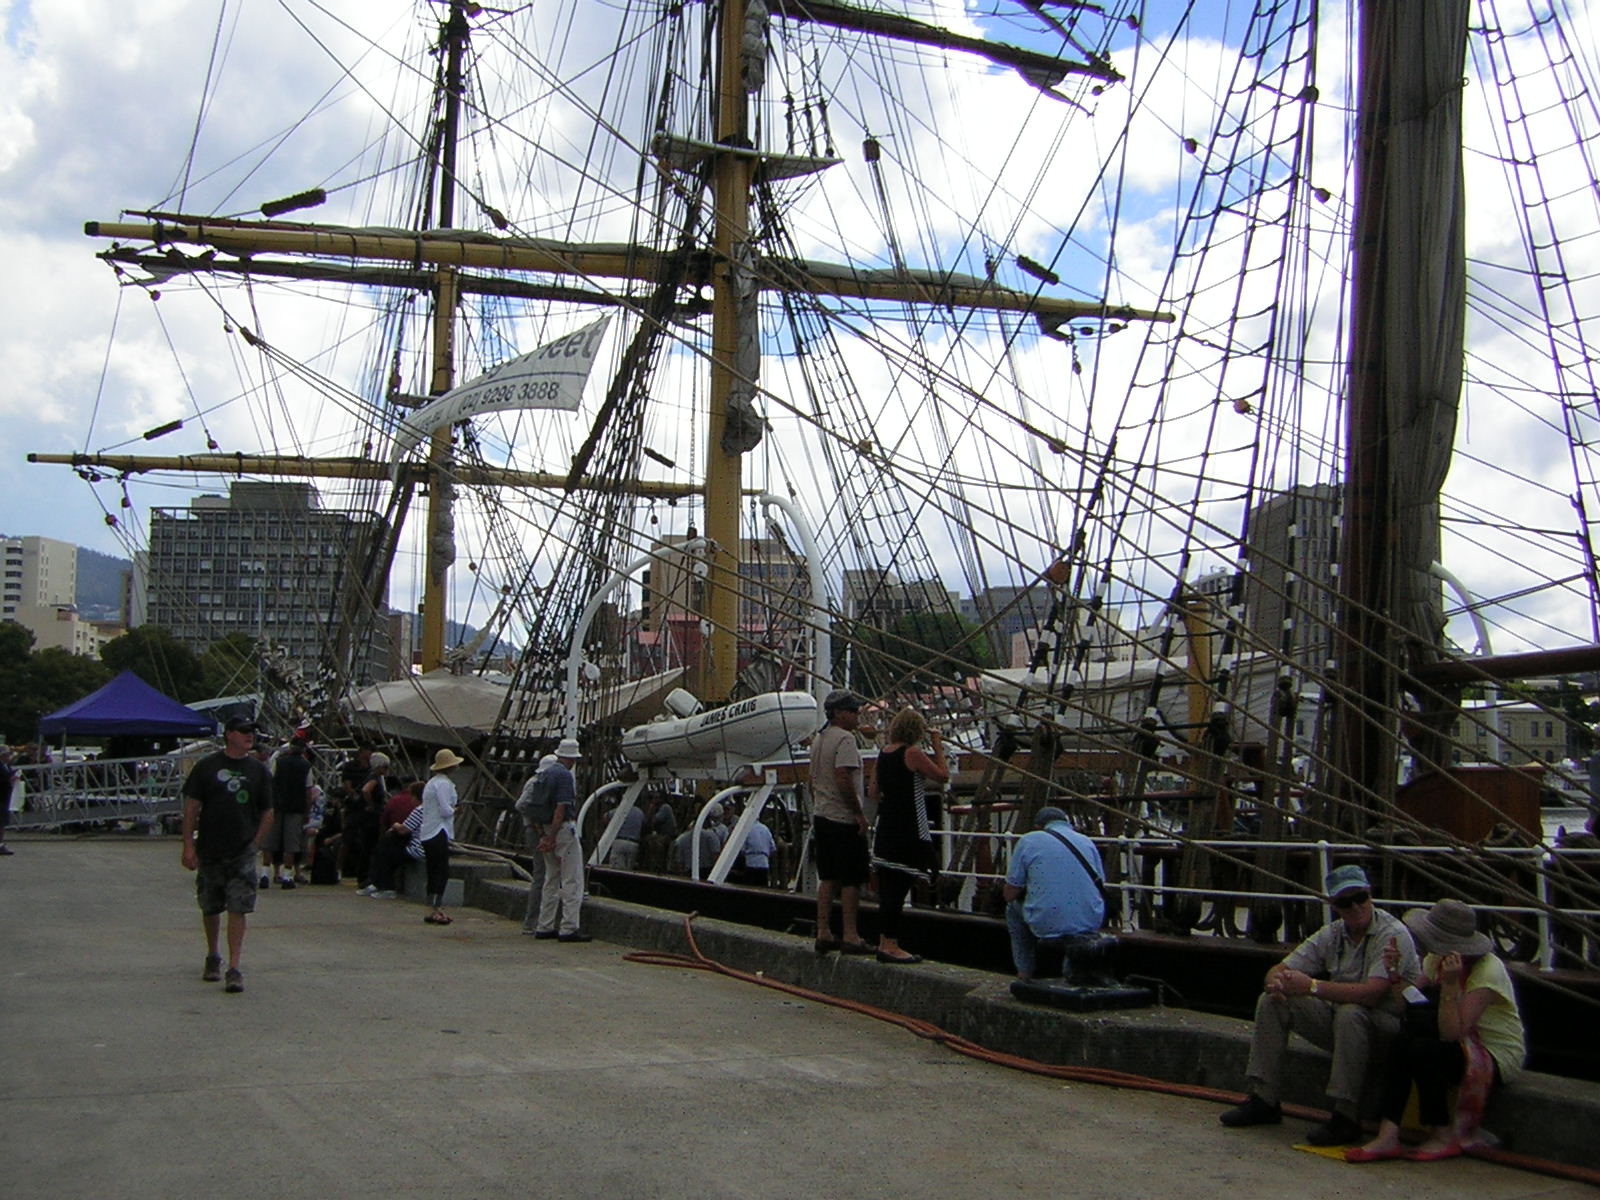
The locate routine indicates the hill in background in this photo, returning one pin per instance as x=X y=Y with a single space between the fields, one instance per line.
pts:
x=100 y=584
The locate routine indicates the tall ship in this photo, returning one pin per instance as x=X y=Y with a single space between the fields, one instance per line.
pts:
x=1192 y=411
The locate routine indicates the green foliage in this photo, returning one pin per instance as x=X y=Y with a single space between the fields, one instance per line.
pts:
x=229 y=666
x=159 y=659
x=918 y=650
x=33 y=683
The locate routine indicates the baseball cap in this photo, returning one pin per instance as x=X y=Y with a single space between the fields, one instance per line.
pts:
x=841 y=698
x=1343 y=879
x=240 y=725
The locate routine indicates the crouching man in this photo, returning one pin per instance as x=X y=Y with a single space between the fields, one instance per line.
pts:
x=1333 y=990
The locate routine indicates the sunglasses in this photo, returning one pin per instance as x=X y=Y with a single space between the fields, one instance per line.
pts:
x=1353 y=899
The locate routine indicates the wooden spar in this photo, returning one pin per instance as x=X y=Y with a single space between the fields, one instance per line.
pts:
x=438 y=260
x=539 y=255
x=1041 y=69
x=1566 y=660
x=293 y=466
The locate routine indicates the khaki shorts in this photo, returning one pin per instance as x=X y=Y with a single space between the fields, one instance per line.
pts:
x=227 y=886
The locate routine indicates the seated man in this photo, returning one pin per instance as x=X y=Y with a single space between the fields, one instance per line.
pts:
x=1333 y=990
x=625 y=849
x=1052 y=888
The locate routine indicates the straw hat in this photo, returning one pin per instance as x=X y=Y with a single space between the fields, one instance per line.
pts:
x=446 y=759
x=1449 y=926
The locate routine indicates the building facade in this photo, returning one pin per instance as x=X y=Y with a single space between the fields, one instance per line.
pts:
x=266 y=561
x=39 y=573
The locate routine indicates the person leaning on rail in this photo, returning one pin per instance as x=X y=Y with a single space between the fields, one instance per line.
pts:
x=1333 y=990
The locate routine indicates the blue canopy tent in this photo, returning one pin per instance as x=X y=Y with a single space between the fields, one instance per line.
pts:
x=126 y=707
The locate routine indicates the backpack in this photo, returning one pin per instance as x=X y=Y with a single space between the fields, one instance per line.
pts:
x=537 y=804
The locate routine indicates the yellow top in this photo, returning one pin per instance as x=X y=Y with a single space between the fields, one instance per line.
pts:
x=1500 y=1025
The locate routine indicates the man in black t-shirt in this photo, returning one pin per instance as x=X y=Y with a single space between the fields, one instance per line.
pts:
x=291 y=800
x=227 y=812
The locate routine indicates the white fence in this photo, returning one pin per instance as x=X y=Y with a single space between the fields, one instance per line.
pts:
x=104 y=791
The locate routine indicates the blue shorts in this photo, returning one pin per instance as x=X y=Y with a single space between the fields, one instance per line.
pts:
x=227 y=886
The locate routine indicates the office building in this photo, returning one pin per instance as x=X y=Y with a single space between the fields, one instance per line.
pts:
x=268 y=562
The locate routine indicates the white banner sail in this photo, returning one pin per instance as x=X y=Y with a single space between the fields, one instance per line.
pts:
x=550 y=377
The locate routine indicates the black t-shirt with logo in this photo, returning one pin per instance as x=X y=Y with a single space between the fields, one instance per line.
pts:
x=234 y=793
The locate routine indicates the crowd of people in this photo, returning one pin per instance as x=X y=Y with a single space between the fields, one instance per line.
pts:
x=1419 y=1005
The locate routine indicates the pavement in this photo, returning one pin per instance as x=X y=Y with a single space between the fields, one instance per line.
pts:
x=373 y=1055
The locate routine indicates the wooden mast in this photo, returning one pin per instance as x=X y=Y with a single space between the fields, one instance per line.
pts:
x=719 y=655
x=440 y=543
x=440 y=258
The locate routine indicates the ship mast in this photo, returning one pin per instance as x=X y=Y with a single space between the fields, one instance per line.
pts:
x=1407 y=320
x=442 y=260
x=718 y=666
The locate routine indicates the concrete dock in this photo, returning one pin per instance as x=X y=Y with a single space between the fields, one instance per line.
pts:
x=374 y=1055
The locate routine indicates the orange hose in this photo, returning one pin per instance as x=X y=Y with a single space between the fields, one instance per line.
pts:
x=695 y=960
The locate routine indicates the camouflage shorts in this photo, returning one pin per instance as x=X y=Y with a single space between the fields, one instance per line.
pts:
x=227 y=886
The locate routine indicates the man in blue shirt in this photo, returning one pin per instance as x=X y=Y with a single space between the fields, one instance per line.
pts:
x=1049 y=892
x=563 y=853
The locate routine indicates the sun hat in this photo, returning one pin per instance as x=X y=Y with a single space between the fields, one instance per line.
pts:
x=1046 y=815
x=446 y=759
x=568 y=748
x=1449 y=926
x=1343 y=879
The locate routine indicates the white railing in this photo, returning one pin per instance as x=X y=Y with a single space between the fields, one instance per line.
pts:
x=1546 y=866
x=97 y=792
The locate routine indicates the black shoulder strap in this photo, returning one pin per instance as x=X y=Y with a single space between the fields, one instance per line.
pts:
x=1082 y=862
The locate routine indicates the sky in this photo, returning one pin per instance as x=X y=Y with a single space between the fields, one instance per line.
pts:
x=213 y=106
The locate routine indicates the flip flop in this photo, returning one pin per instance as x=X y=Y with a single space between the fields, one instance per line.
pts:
x=1451 y=1151
x=1360 y=1154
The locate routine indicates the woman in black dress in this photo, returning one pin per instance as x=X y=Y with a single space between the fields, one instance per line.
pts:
x=903 y=844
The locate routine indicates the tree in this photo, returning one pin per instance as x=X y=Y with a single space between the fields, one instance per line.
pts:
x=16 y=648
x=229 y=666
x=36 y=682
x=917 y=651
x=56 y=678
x=158 y=658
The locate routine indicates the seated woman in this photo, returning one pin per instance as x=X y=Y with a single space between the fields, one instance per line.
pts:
x=1478 y=1045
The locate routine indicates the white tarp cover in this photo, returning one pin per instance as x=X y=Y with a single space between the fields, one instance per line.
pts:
x=552 y=376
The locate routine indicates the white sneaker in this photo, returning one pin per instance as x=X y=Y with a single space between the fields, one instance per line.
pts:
x=369 y=890
x=385 y=895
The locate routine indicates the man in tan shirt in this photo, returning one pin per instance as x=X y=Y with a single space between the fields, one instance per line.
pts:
x=839 y=822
